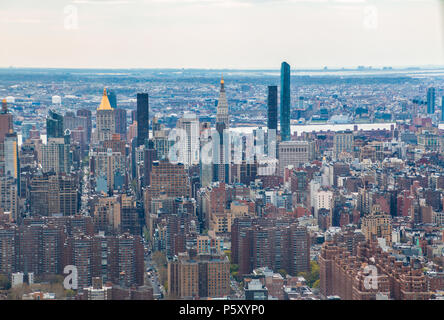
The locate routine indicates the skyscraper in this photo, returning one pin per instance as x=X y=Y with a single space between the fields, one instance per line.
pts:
x=109 y=166
x=44 y=195
x=9 y=196
x=76 y=123
x=285 y=102
x=87 y=114
x=106 y=122
x=55 y=156
x=54 y=125
x=222 y=106
x=431 y=100
x=190 y=147
x=221 y=162
x=143 y=119
x=11 y=155
x=120 y=116
x=6 y=125
x=221 y=168
x=272 y=107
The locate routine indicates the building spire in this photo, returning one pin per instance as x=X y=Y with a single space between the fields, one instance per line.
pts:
x=222 y=83
x=104 y=104
x=222 y=106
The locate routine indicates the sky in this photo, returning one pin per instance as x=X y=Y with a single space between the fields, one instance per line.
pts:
x=220 y=34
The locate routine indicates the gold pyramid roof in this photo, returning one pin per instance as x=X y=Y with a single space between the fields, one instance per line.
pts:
x=104 y=104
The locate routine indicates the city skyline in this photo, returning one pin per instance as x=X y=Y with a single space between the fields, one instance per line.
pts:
x=153 y=150
x=110 y=203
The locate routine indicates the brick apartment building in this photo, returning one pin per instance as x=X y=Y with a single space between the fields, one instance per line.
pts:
x=274 y=243
x=198 y=276
x=343 y=273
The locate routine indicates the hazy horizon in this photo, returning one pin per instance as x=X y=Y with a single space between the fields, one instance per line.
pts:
x=220 y=34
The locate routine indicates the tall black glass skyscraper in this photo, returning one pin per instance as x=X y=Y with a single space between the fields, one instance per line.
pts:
x=54 y=125
x=285 y=102
x=143 y=119
x=272 y=107
x=431 y=100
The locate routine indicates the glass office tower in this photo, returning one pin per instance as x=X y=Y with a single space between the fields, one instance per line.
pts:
x=54 y=125
x=285 y=102
x=431 y=100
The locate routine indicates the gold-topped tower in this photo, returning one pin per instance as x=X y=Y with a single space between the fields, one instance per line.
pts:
x=104 y=104
x=106 y=120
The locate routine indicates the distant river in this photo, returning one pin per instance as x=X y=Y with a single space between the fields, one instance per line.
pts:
x=299 y=128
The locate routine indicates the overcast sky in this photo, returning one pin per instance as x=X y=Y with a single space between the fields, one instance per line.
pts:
x=245 y=34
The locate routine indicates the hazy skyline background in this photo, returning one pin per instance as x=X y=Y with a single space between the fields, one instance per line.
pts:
x=238 y=34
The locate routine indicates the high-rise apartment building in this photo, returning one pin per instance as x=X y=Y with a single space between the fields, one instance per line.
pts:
x=130 y=217
x=114 y=258
x=52 y=194
x=200 y=276
x=44 y=195
x=56 y=156
x=9 y=196
x=345 y=274
x=274 y=243
x=68 y=194
x=8 y=242
x=107 y=215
